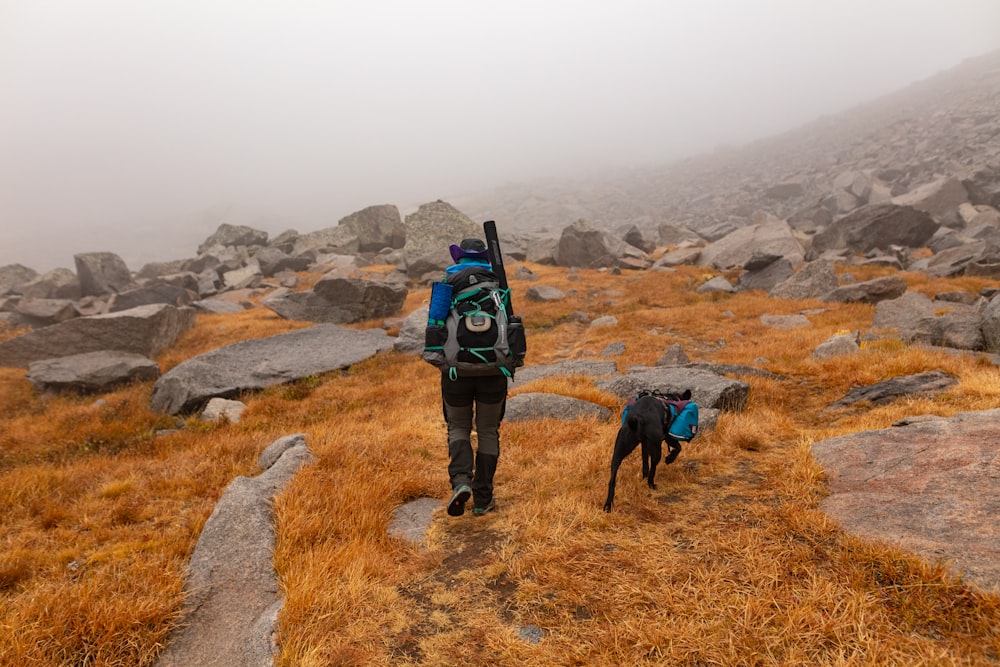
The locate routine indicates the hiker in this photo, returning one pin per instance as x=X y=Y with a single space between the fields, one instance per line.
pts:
x=472 y=396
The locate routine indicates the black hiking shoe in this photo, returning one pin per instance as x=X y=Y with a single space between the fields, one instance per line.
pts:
x=479 y=511
x=456 y=506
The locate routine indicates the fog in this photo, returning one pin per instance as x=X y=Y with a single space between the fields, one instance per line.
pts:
x=136 y=127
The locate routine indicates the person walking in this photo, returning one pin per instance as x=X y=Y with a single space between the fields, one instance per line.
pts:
x=472 y=398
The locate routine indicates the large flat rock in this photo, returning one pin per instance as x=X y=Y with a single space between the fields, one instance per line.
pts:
x=144 y=330
x=931 y=486
x=264 y=362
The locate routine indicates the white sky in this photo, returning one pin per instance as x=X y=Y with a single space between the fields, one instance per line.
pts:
x=122 y=123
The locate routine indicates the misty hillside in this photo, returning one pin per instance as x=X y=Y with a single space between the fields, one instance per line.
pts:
x=945 y=125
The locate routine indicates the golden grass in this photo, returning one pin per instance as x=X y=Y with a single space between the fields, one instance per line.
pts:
x=728 y=562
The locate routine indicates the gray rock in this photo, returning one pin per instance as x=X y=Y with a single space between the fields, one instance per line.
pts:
x=590 y=368
x=524 y=273
x=217 y=306
x=918 y=319
x=708 y=389
x=877 y=226
x=673 y=235
x=785 y=190
x=285 y=241
x=528 y=406
x=274 y=260
x=102 y=273
x=958 y=296
x=583 y=245
x=766 y=278
x=91 y=372
x=837 y=345
x=376 y=227
x=153 y=270
x=45 y=312
x=714 y=230
x=674 y=356
x=958 y=326
x=339 y=301
x=869 y=291
x=681 y=257
x=929 y=382
x=811 y=219
x=542 y=293
x=243 y=277
x=604 y=321
x=940 y=199
x=411 y=520
x=234 y=235
x=929 y=486
x=760 y=259
x=219 y=259
x=767 y=236
x=336 y=240
x=264 y=362
x=812 y=281
x=903 y=314
x=991 y=325
x=10 y=320
x=223 y=410
x=146 y=330
x=531 y=634
x=55 y=284
x=14 y=276
x=430 y=231
x=955 y=260
x=633 y=236
x=411 y=332
x=716 y=284
x=232 y=593
x=986 y=269
x=734 y=369
x=542 y=250
x=840 y=202
x=618 y=347
x=151 y=294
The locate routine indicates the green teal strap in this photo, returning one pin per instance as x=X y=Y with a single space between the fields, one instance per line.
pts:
x=452 y=373
x=506 y=372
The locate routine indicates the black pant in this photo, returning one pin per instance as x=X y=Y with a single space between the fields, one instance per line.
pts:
x=483 y=398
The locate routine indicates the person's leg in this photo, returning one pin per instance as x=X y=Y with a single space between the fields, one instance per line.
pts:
x=457 y=405
x=491 y=401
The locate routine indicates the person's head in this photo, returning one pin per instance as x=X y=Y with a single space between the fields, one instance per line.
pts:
x=470 y=250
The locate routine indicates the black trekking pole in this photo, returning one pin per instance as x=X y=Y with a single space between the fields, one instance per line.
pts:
x=496 y=261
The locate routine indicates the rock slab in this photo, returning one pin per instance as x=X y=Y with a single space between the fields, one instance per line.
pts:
x=145 y=330
x=233 y=595
x=264 y=362
x=932 y=486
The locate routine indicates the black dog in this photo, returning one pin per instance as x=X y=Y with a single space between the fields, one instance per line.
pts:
x=647 y=422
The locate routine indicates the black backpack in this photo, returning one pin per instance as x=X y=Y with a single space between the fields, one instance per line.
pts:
x=475 y=335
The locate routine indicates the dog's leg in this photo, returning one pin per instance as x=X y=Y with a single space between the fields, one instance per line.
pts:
x=655 y=450
x=624 y=444
x=673 y=449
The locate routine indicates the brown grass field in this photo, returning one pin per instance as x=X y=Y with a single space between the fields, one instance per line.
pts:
x=728 y=562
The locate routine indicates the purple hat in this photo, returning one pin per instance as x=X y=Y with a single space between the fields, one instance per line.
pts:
x=471 y=248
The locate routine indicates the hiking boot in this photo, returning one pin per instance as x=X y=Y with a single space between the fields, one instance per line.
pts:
x=479 y=511
x=456 y=506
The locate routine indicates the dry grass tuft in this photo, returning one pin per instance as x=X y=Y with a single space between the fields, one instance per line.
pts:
x=728 y=562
